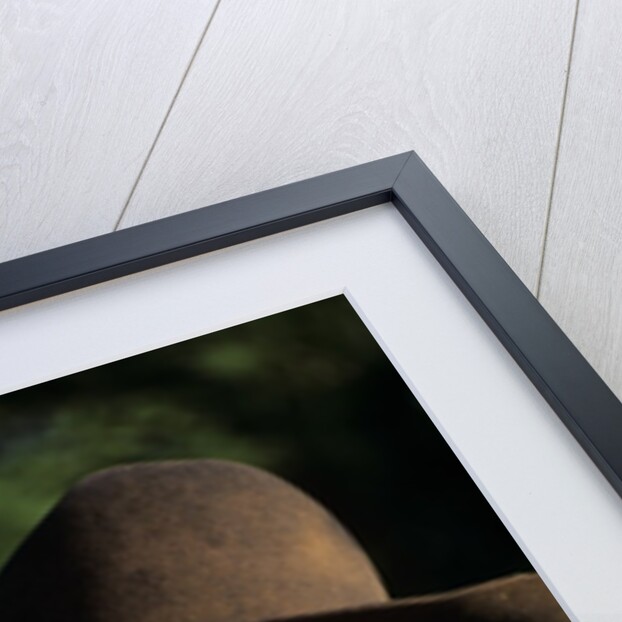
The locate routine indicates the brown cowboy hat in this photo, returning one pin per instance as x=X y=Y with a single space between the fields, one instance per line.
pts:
x=213 y=541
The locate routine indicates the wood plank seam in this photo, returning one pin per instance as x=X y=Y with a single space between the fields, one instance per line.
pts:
x=547 y=217
x=167 y=114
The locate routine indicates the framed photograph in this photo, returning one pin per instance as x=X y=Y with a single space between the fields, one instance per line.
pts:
x=536 y=429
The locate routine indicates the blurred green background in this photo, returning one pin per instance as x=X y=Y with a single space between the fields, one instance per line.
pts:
x=307 y=394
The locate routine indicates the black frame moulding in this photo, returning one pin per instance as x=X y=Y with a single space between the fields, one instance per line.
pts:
x=565 y=379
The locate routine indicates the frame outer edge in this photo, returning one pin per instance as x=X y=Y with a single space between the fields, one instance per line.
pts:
x=565 y=379
x=192 y=233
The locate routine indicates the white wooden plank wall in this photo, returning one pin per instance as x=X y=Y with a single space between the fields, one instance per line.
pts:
x=582 y=277
x=84 y=87
x=284 y=90
x=107 y=118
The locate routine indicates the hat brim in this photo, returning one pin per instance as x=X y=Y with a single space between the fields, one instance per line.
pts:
x=519 y=598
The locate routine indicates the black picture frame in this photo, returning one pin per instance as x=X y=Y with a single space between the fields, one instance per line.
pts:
x=572 y=388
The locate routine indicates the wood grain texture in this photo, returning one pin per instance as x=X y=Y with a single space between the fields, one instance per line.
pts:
x=582 y=275
x=283 y=91
x=84 y=87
